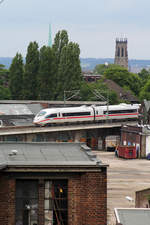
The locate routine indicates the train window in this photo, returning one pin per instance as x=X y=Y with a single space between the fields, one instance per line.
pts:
x=121 y=111
x=52 y=115
x=42 y=113
x=76 y=114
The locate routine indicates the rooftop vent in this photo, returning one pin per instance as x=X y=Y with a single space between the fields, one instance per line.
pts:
x=13 y=152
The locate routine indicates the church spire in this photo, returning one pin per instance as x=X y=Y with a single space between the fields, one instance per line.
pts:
x=50 y=37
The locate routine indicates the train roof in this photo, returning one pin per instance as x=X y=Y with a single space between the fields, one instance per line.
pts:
x=119 y=107
x=85 y=108
x=68 y=109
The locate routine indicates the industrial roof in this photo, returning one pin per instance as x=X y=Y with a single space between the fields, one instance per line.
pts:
x=18 y=114
x=14 y=109
x=46 y=154
x=133 y=216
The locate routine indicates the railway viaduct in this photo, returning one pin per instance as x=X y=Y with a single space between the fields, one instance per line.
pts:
x=94 y=135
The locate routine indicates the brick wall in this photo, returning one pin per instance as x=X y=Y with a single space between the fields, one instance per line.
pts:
x=142 y=199
x=87 y=199
x=7 y=199
x=131 y=134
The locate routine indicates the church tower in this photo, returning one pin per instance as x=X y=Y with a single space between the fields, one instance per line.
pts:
x=121 y=52
x=50 y=37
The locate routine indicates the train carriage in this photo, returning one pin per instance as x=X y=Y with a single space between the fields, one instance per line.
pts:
x=64 y=115
x=119 y=112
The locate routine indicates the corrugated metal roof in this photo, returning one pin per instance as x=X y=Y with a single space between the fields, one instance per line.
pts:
x=133 y=216
x=14 y=109
x=46 y=154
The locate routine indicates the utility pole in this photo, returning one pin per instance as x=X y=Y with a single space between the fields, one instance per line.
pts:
x=99 y=95
x=73 y=94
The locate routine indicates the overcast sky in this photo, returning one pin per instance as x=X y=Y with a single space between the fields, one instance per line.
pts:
x=93 y=24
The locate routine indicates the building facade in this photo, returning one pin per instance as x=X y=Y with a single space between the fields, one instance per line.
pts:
x=51 y=183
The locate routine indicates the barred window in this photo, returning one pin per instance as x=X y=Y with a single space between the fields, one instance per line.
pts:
x=55 y=203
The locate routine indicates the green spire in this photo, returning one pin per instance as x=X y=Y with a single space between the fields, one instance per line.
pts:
x=50 y=37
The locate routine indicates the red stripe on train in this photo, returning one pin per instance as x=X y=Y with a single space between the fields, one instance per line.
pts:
x=82 y=117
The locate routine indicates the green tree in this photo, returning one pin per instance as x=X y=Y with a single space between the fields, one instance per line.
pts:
x=93 y=91
x=45 y=76
x=31 y=71
x=4 y=93
x=134 y=83
x=16 y=77
x=144 y=76
x=60 y=41
x=4 y=76
x=101 y=68
x=124 y=78
x=69 y=70
x=145 y=92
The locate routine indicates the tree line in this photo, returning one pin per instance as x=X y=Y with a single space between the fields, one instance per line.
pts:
x=138 y=84
x=47 y=73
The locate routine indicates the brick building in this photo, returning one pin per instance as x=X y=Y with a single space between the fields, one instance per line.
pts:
x=51 y=183
x=138 y=136
x=142 y=198
x=144 y=112
x=91 y=77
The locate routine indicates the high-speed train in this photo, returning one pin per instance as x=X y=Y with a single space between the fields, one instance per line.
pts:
x=92 y=113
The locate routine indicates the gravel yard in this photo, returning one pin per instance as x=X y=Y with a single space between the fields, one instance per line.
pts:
x=124 y=178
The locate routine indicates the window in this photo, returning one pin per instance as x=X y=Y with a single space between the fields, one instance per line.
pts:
x=26 y=202
x=118 y=52
x=52 y=115
x=122 y=52
x=76 y=114
x=121 y=111
x=55 y=202
x=42 y=113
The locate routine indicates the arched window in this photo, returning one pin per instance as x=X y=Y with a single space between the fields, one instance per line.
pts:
x=122 y=52
x=118 y=52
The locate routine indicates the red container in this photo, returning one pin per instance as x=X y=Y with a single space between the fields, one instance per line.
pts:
x=127 y=152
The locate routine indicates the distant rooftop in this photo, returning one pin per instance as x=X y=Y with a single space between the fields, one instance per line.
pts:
x=19 y=109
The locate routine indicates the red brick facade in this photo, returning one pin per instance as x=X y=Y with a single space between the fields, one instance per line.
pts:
x=87 y=198
x=142 y=198
x=7 y=200
x=131 y=135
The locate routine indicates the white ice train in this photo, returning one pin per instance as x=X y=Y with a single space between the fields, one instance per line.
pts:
x=92 y=113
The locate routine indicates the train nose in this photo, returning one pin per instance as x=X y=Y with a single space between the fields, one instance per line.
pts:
x=35 y=120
